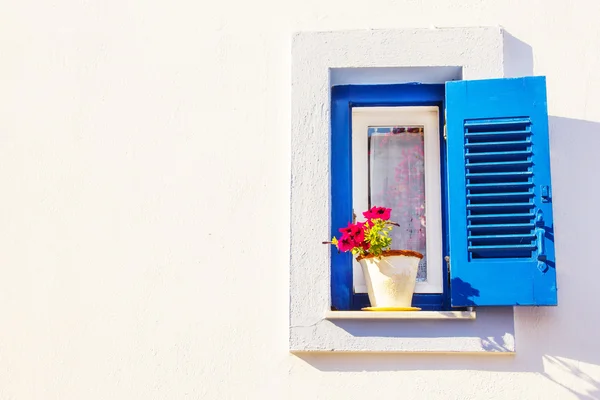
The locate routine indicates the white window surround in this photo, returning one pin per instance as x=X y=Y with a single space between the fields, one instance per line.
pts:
x=362 y=118
x=374 y=315
x=354 y=57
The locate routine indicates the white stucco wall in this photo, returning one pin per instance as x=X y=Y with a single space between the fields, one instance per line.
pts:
x=145 y=164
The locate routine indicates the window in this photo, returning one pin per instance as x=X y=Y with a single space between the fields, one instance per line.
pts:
x=477 y=203
x=321 y=189
x=396 y=163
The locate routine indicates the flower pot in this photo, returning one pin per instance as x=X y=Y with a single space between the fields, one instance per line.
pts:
x=391 y=278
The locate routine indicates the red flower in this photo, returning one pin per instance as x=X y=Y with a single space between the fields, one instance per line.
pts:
x=378 y=212
x=346 y=243
x=346 y=230
x=356 y=232
x=365 y=245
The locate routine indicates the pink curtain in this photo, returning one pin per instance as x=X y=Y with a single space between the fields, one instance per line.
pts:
x=397 y=181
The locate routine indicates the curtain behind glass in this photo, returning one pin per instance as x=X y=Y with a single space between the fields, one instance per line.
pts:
x=397 y=181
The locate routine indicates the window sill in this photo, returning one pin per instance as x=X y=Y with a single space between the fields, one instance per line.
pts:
x=489 y=330
x=378 y=315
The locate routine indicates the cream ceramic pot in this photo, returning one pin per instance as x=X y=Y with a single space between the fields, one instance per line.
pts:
x=391 y=278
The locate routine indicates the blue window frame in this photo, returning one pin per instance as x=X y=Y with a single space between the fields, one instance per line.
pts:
x=343 y=99
x=497 y=224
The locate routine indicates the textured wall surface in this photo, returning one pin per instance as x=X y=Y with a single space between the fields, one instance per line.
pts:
x=145 y=163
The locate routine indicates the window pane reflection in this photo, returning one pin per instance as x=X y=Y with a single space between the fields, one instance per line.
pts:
x=397 y=181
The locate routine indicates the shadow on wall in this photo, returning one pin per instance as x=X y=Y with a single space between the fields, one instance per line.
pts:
x=518 y=57
x=560 y=343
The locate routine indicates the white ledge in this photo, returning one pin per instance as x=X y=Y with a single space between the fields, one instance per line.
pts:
x=466 y=315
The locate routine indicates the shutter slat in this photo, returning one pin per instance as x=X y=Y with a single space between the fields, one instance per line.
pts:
x=498 y=227
x=485 y=217
x=500 y=237
x=504 y=247
x=483 y=175
x=498 y=144
x=497 y=135
x=499 y=205
x=491 y=123
x=502 y=185
x=498 y=154
x=486 y=196
x=498 y=164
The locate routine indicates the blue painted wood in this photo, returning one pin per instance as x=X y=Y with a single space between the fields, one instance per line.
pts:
x=446 y=300
x=427 y=302
x=501 y=225
x=343 y=98
x=341 y=195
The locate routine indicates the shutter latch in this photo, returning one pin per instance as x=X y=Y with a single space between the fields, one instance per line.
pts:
x=540 y=232
x=445 y=134
x=546 y=195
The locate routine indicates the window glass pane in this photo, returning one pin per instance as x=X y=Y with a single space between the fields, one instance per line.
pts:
x=397 y=181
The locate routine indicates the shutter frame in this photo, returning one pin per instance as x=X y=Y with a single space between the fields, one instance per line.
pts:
x=499 y=198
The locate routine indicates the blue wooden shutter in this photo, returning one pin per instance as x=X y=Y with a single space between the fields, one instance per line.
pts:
x=500 y=208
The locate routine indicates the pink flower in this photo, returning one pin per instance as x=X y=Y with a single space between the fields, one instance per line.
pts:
x=378 y=212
